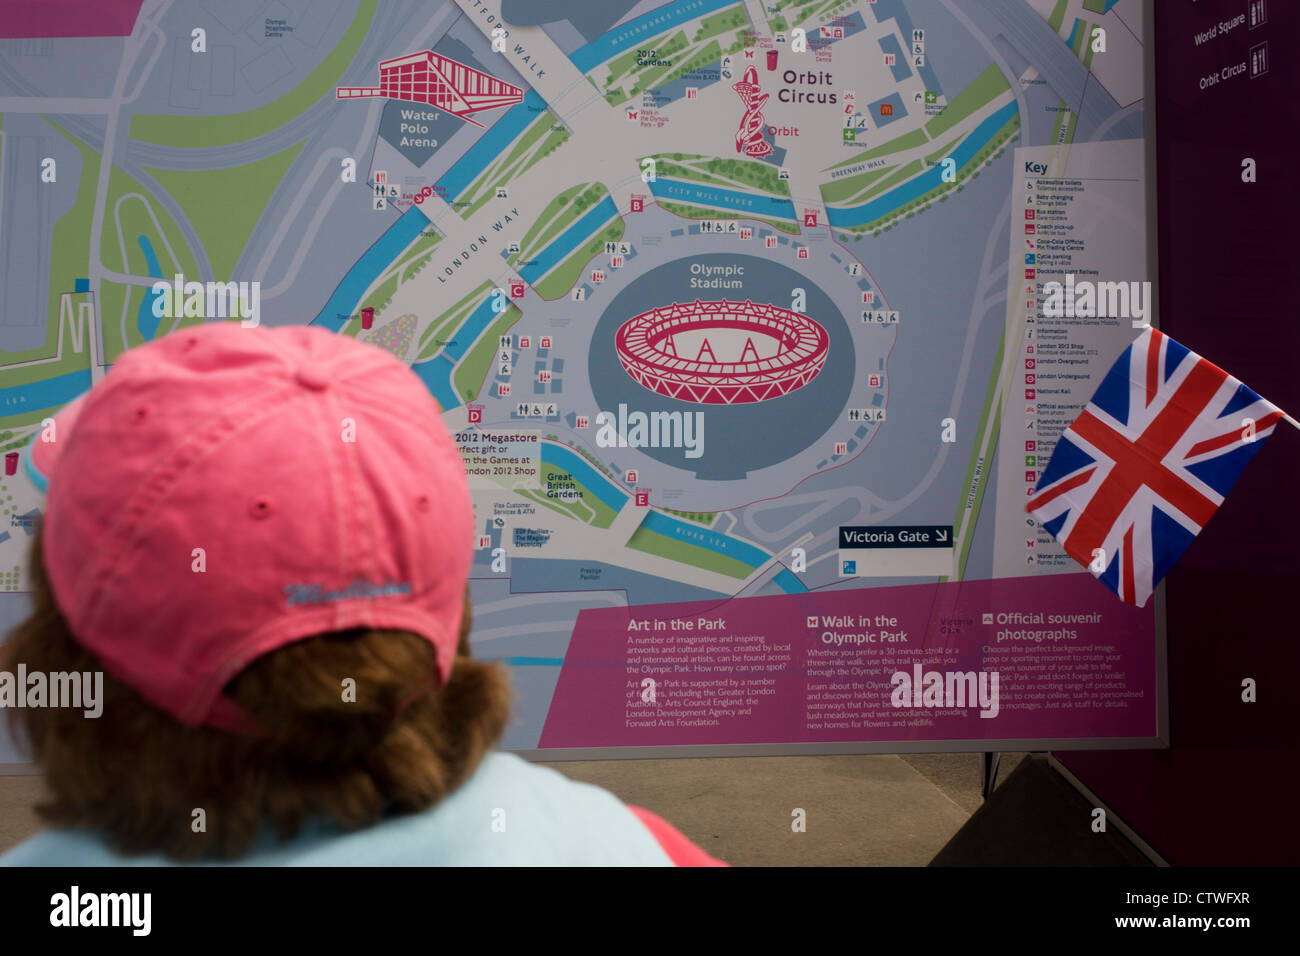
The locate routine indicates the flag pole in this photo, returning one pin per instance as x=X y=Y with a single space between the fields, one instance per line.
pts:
x=1285 y=417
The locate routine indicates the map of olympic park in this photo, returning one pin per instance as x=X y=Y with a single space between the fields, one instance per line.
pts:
x=723 y=302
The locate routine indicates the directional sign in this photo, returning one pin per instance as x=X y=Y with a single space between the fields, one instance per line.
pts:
x=891 y=551
x=896 y=536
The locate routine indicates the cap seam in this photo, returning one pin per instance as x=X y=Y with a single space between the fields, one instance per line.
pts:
x=360 y=370
x=365 y=530
x=339 y=371
x=371 y=402
x=292 y=360
x=342 y=505
x=362 y=386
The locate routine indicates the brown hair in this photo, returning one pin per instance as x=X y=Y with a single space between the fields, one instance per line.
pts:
x=138 y=775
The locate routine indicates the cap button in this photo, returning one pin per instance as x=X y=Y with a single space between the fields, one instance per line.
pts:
x=313 y=376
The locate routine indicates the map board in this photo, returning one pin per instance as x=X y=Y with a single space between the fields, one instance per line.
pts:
x=743 y=314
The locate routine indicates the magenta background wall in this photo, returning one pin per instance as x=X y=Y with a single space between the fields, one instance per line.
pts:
x=68 y=18
x=1229 y=289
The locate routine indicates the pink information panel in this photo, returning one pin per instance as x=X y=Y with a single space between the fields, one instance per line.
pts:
x=1011 y=659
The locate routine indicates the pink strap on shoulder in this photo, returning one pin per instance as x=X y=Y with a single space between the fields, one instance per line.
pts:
x=679 y=849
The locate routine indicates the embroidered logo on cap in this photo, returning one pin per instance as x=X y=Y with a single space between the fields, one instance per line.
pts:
x=319 y=594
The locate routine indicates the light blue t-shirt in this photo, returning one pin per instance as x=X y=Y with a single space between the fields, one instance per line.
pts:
x=509 y=813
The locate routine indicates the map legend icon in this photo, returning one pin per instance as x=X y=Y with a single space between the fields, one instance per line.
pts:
x=1259 y=60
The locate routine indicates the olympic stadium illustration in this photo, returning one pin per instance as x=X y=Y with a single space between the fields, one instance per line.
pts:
x=722 y=352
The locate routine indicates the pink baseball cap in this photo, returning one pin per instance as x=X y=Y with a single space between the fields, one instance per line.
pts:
x=225 y=491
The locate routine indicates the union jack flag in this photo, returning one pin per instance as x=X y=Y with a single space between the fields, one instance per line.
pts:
x=1148 y=461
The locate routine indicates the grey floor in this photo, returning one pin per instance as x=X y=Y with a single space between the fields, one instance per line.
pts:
x=880 y=810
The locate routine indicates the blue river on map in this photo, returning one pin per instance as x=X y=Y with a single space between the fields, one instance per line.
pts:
x=144 y=318
x=702 y=537
x=930 y=179
x=700 y=194
x=490 y=146
x=788 y=583
x=47 y=393
x=643 y=28
x=564 y=245
x=613 y=496
x=471 y=329
x=343 y=303
x=436 y=372
x=436 y=375
x=150 y=257
x=587 y=476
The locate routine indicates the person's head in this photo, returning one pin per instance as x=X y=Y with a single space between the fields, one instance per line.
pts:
x=262 y=538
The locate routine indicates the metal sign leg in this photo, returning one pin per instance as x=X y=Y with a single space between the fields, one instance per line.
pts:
x=989 y=772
